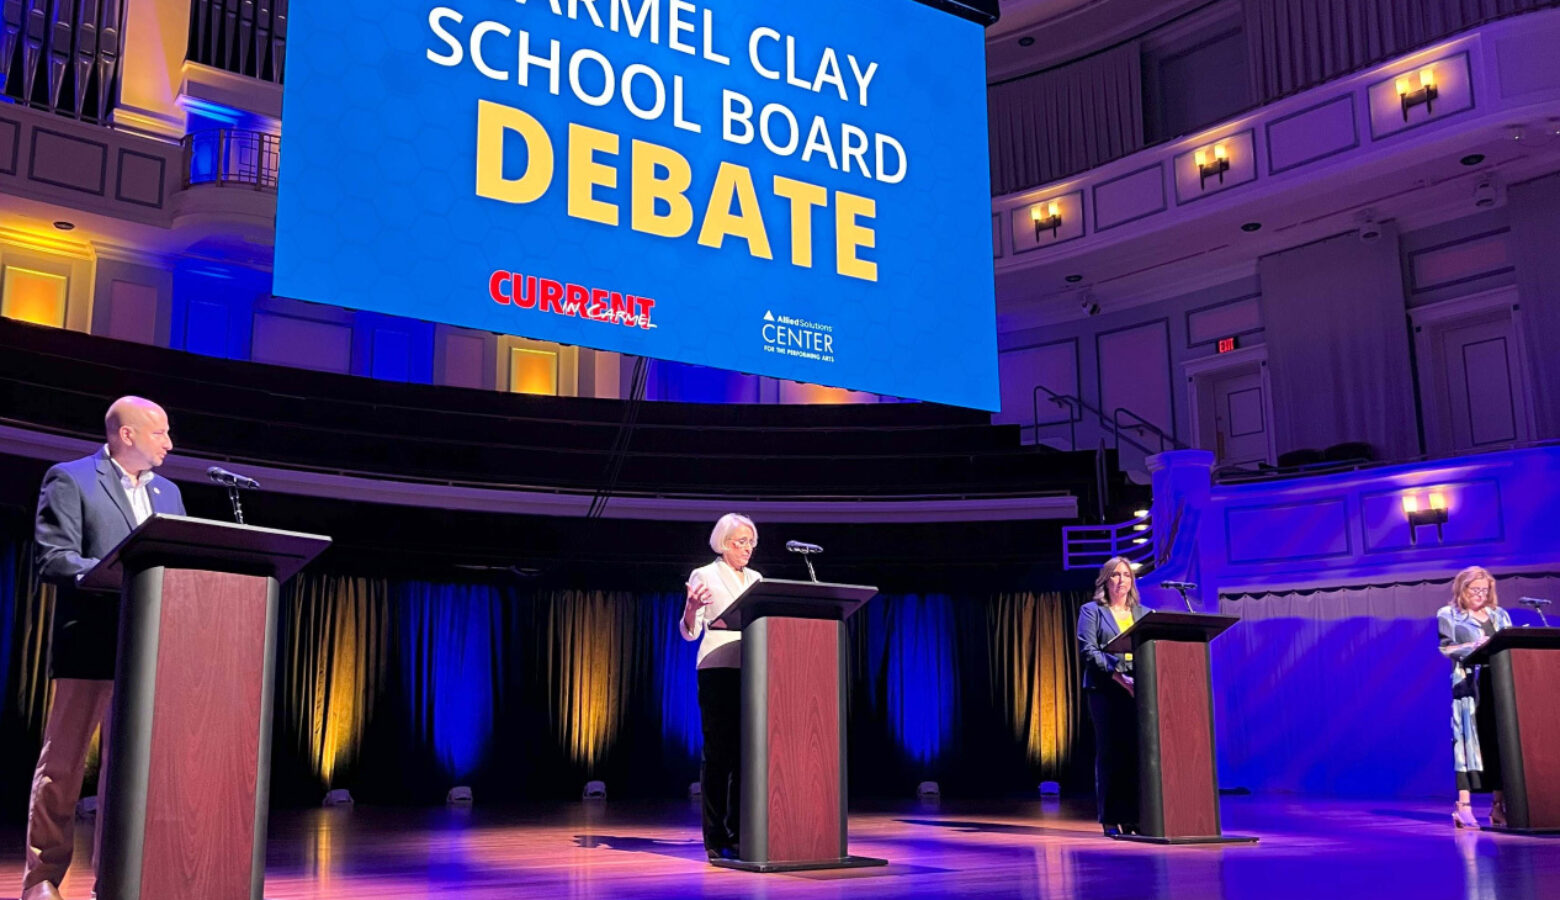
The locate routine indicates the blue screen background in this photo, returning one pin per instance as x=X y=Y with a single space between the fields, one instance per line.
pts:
x=378 y=207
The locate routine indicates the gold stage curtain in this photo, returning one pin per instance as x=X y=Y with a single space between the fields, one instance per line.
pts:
x=1034 y=673
x=334 y=656
x=589 y=638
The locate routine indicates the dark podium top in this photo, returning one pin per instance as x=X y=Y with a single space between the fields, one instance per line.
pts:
x=796 y=599
x=1160 y=625
x=186 y=542
x=1514 y=639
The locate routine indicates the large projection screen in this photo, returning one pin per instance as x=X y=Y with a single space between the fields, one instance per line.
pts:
x=797 y=188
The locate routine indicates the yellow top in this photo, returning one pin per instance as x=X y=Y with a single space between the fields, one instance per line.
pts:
x=1123 y=617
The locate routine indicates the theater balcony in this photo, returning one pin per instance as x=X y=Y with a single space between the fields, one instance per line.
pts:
x=405 y=474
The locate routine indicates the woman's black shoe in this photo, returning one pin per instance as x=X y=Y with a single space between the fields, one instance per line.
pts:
x=1112 y=830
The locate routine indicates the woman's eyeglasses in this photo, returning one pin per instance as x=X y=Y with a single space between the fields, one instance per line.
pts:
x=744 y=544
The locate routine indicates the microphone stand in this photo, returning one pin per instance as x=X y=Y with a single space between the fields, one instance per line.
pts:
x=807 y=558
x=1181 y=589
x=1538 y=608
x=238 y=508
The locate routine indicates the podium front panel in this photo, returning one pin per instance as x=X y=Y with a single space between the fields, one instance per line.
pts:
x=793 y=740
x=1178 y=773
x=188 y=769
x=1526 y=683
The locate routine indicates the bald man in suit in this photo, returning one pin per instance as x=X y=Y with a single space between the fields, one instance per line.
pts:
x=85 y=508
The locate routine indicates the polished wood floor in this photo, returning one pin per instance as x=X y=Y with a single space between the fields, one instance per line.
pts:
x=1337 y=850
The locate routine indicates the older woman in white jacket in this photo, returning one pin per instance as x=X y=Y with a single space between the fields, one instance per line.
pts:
x=711 y=589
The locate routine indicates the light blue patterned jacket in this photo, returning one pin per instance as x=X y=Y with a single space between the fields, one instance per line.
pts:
x=1456 y=628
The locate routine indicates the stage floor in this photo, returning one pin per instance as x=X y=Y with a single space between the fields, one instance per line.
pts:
x=1339 y=850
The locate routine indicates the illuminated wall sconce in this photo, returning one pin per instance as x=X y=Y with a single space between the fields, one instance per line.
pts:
x=1426 y=94
x=1207 y=169
x=1434 y=513
x=1047 y=216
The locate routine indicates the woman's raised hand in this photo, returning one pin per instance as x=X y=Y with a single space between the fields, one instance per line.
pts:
x=699 y=596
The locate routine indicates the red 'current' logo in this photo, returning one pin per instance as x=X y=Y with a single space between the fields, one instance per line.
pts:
x=569 y=299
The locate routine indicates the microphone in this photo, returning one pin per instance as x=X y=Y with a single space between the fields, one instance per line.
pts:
x=1533 y=601
x=232 y=479
x=1179 y=585
x=801 y=547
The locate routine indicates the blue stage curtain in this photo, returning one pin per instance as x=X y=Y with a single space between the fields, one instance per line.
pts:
x=910 y=645
x=451 y=661
x=673 y=664
x=399 y=689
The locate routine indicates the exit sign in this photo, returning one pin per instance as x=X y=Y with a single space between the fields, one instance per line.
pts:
x=1226 y=344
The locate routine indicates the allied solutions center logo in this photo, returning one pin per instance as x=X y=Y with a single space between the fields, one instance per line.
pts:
x=800 y=338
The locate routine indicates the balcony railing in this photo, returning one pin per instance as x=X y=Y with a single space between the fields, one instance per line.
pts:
x=1089 y=546
x=232 y=157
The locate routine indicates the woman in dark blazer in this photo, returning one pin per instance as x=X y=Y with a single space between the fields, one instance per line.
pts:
x=1107 y=685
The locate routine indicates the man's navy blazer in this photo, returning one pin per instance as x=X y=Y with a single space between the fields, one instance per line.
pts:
x=83 y=513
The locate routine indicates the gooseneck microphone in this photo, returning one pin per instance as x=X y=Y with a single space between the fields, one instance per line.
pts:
x=233 y=482
x=1182 y=587
x=232 y=479
x=806 y=550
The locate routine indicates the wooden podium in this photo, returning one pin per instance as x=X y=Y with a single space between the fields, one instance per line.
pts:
x=1178 y=773
x=794 y=679
x=188 y=772
x=1525 y=673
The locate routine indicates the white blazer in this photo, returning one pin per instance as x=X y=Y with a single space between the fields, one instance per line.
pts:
x=721 y=648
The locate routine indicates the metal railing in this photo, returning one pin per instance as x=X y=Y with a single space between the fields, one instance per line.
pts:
x=1140 y=425
x=1076 y=407
x=1089 y=546
x=232 y=156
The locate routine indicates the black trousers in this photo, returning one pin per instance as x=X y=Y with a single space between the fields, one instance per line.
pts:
x=1114 y=714
x=720 y=768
